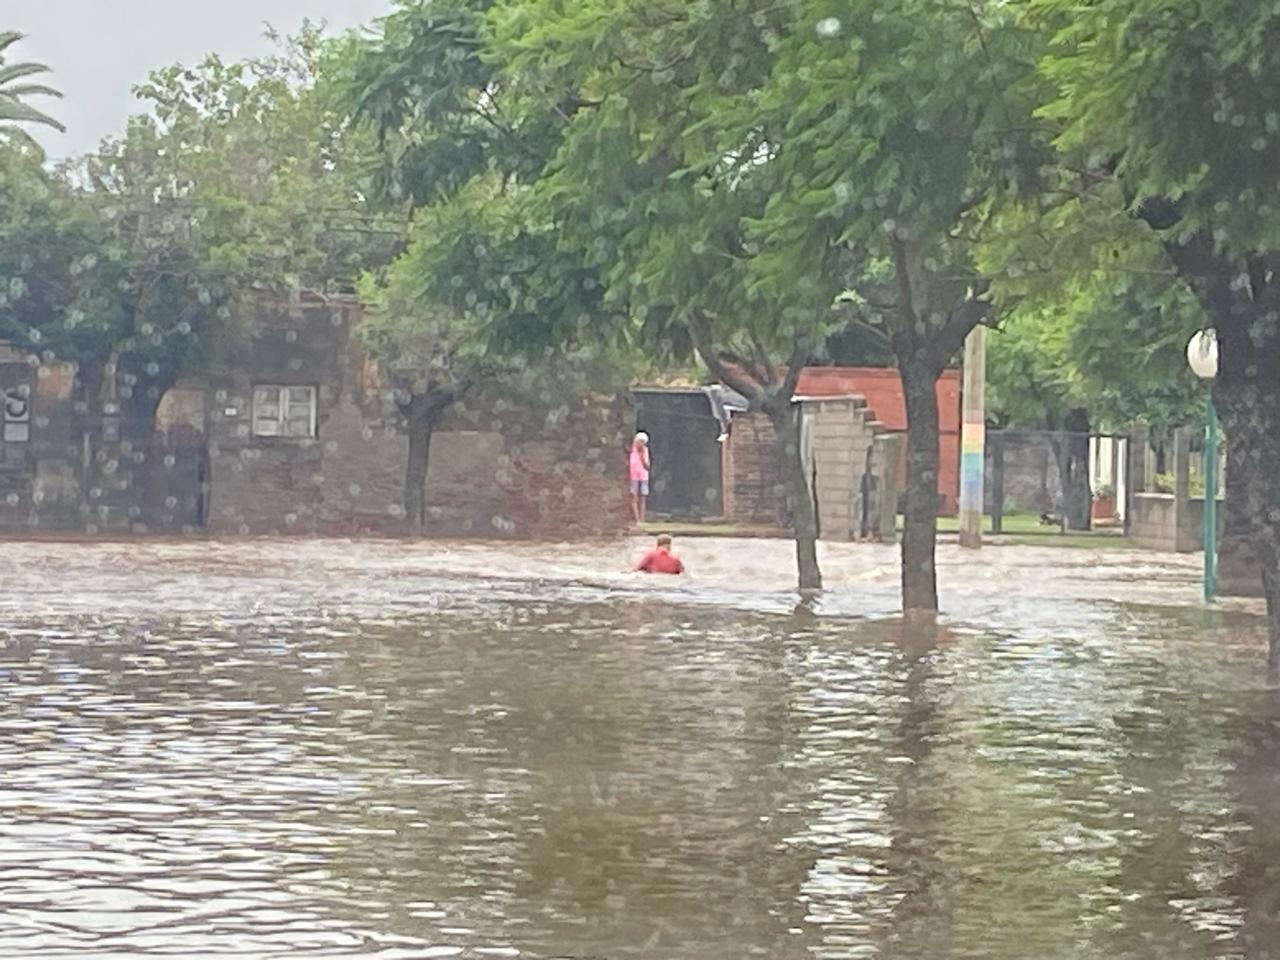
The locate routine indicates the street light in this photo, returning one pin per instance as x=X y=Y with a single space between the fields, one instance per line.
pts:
x=1202 y=355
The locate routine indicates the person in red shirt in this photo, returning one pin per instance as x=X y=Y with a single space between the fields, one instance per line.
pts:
x=660 y=559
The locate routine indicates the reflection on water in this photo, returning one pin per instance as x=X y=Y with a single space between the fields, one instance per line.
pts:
x=481 y=774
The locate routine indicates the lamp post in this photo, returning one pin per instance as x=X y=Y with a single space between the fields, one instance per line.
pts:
x=1202 y=355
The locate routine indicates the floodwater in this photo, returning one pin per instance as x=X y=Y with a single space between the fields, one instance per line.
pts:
x=329 y=749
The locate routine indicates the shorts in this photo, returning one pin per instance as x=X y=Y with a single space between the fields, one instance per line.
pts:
x=640 y=487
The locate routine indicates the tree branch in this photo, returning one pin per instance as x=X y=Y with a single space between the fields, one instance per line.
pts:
x=961 y=322
x=762 y=361
x=715 y=364
x=795 y=366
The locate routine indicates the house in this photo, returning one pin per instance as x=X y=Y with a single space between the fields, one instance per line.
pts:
x=699 y=463
x=295 y=430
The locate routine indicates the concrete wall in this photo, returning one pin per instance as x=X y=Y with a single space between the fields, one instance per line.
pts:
x=348 y=479
x=841 y=433
x=533 y=466
x=1159 y=524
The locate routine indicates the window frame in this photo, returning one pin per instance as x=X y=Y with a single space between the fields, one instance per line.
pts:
x=282 y=403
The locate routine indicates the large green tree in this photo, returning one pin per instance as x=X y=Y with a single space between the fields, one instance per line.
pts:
x=658 y=186
x=238 y=178
x=484 y=294
x=1167 y=113
x=746 y=165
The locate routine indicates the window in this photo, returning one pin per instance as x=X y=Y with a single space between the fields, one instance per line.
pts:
x=284 y=412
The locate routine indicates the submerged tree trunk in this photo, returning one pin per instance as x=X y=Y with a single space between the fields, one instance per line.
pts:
x=1238 y=573
x=422 y=413
x=1071 y=451
x=785 y=417
x=1247 y=395
x=920 y=522
x=420 y=431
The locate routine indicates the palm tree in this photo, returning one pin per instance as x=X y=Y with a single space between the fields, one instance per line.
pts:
x=16 y=86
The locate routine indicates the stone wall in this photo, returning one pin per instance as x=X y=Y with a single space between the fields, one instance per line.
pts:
x=348 y=478
x=753 y=491
x=41 y=462
x=532 y=467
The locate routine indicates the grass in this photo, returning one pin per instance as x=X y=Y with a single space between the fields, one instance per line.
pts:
x=1029 y=525
x=1078 y=541
x=1023 y=529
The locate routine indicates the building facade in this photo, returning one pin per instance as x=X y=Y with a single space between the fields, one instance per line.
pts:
x=296 y=431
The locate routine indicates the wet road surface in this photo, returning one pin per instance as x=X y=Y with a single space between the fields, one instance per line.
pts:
x=328 y=749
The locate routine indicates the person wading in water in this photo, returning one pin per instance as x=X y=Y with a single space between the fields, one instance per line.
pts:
x=660 y=559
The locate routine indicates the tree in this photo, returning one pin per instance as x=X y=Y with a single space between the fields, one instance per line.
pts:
x=751 y=164
x=17 y=86
x=1167 y=111
x=658 y=186
x=238 y=179
x=483 y=295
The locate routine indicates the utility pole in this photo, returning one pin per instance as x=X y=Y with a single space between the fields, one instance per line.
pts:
x=973 y=438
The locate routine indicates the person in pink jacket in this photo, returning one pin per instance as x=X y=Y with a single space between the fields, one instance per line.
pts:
x=639 y=475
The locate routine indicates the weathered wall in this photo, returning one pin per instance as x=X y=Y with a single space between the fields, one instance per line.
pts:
x=531 y=469
x=1031 y=481
x=40 y=485
x=1158 y=524
x=496 y=468
x=842 y=433
x=752 y=474
x=348 y=478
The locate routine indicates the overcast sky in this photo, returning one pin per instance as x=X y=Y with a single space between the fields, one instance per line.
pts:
x=98 y=49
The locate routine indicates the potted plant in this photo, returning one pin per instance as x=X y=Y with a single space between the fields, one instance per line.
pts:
x=1104 y=503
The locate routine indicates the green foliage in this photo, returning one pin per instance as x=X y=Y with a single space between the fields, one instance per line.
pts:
x=1111 y=345
x=1178 y=102
x=18 y=84
x=139 y=260
x=50 y=239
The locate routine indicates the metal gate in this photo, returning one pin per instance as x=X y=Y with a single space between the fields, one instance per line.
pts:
x=687 y=481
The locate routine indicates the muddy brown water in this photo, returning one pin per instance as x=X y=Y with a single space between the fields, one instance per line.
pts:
x=349 y=750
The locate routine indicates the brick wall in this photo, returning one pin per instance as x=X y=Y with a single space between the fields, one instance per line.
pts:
x=752 y=477
x=533 y=469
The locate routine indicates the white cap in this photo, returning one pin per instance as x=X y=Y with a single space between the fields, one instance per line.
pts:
x=643 y=437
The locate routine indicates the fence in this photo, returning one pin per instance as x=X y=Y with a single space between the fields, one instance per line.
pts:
x=1045 y=482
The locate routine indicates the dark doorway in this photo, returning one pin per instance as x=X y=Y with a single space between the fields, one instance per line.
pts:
x=684 y=440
